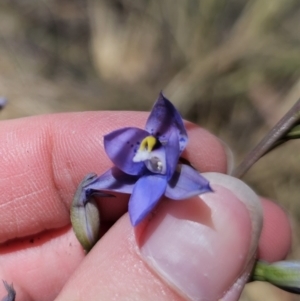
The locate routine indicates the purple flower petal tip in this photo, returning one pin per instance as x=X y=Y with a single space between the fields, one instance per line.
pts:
x=137 y=219
x=209 y=189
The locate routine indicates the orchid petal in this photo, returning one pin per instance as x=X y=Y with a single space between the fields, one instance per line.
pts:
x=146 y=194
x=185 y=183
x=173 y=153
x=113 y=180
x=164 y=117
x=122 y=145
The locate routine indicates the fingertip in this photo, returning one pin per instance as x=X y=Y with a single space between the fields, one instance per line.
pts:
x=276 y=237
x=205 y=151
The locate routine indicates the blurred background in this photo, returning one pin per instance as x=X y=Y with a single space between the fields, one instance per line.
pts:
x=232 y=66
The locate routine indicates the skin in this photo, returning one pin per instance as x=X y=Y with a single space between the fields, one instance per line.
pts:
x=42 y=161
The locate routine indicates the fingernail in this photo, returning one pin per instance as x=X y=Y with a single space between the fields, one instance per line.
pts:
x=248 y=197
x=201 y=245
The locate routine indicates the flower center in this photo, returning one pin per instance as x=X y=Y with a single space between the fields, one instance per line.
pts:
x=155 y=164
x=154 y=159
x=148 y=143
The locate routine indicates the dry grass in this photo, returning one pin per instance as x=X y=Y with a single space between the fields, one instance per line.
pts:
x=230 y=65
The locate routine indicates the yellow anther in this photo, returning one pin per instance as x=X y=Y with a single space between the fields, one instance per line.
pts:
x=148 y=143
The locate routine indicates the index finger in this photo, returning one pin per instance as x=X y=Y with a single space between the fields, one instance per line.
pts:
x=44 y=158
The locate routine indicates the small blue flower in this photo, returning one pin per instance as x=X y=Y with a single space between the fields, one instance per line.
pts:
x=146 y=166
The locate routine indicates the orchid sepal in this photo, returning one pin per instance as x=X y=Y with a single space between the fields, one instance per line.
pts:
x=114 y=180
x=121 y=146
x=146 y=194
x=163 y=117
x=185 y=183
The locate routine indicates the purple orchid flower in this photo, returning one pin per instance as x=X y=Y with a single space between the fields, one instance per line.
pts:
x=147 y=164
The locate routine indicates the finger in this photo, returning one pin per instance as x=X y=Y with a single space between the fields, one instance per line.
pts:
x=276 y=236
x=39 y=266
x=44 y=158
x=190 y=250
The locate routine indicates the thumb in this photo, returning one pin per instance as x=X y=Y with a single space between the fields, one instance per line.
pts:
x=196 y=249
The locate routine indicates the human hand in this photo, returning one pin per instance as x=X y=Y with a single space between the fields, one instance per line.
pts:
x=44 y=158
